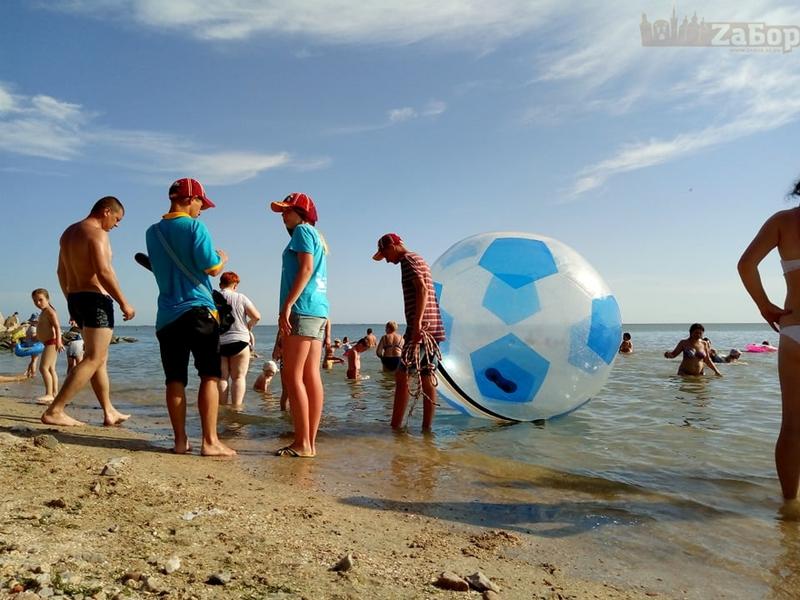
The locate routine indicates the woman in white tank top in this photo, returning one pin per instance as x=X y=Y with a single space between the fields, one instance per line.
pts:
x=234 y=344
x=782 y=231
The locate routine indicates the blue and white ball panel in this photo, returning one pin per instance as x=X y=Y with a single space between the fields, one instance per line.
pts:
x=532 y=328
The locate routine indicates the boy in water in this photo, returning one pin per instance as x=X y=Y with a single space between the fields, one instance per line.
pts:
x=354 y=359
x=48 y=331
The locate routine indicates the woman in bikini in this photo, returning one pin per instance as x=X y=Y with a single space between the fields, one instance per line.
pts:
x=390 y=348
x=695 y=353
x=782 y=231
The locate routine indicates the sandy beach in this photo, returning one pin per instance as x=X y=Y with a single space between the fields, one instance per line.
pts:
x=101 y=512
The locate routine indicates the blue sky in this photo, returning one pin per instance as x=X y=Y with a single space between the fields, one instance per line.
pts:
x=434 y=120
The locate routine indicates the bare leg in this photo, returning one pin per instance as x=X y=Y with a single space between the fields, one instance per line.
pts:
x=208 y=405
x=222 y=384
x=49 y=377
x=400 y=398
x=429 y=402
x=176 y=406
x=101 y=386
x=95 y=354
x=284 y=391
x=314 y=390
x=787 y=449
x=238 y=372
x=295 y=353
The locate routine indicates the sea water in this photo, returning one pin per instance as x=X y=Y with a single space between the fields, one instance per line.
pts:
x=664 y=480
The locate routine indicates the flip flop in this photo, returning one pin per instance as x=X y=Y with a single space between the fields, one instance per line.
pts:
x=291 y=452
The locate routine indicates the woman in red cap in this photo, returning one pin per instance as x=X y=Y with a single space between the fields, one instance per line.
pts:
x=302 y=318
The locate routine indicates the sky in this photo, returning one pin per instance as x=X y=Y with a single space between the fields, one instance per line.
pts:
x=433 y=120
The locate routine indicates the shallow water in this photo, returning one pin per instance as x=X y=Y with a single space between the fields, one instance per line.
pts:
x=662 y=479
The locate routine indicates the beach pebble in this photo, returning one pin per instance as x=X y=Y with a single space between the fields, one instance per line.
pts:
x=481 y=582
x=57 y=503
x=152 y=584
x=490 y=595
x=45 y=592
x=451 y=581
x=220 y=578
x=345 y=563
x=26 y=596
x=172 y=565
x=131 y=576
x=71 y=579
x=114 y=467
x=45 y=441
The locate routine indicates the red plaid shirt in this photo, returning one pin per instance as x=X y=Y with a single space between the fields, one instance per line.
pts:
x=414 y=268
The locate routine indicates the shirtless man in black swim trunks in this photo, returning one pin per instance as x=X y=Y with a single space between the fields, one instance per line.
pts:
x=89 y=283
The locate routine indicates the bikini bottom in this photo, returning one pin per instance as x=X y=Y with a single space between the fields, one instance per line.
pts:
x=792 y=332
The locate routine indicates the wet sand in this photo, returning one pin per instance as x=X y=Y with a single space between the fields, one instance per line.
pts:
x=265 y=529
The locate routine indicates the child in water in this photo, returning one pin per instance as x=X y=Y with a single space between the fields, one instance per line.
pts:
x=265 y=378
x=353 y=356
x=48 y=331
x=331 y=359
x=626 y=347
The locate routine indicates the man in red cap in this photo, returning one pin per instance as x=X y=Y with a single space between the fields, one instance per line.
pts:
x=183 y=259
x=424 y=328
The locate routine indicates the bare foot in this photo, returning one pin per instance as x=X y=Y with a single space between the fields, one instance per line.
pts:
x=46 y=399
x=789 y=511
x=114 y=417
x=183 y=448
x=61 y=418
x=216 y=449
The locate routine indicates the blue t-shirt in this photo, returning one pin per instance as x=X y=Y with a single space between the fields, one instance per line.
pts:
x=191 y=242
x=313 y=301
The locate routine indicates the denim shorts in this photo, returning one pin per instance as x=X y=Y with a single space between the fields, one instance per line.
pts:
x=304 y=326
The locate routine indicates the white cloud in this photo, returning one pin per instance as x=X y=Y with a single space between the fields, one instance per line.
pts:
x=395 y=116
x=49 y=128
x=398 y=115
x=434 y=108
x=329 y=21
x=754 y=99
x=611 y=72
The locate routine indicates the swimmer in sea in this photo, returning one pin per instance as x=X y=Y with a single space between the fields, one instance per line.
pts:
x=626 y=347
x=695 y=352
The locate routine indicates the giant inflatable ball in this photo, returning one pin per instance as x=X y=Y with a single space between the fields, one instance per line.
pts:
x=532 y=328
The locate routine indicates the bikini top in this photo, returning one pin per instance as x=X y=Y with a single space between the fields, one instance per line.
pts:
x=790 y=265
x=692 y=353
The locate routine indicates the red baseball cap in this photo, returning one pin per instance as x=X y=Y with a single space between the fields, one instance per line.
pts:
x=386 y=240
x=187 y=188
x=300 y=201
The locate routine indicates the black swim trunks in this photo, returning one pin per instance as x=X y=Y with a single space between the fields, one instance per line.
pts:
x=91 y=309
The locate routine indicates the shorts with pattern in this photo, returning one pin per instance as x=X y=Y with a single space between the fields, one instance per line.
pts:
x=91 y=309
